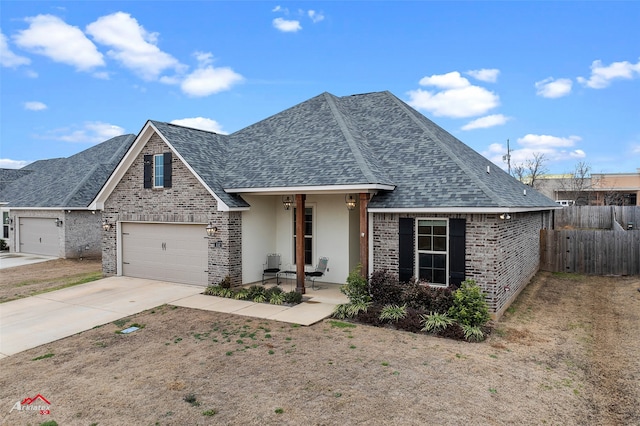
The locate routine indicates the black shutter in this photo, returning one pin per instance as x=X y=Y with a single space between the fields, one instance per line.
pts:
x=406 y=249
x=457 y=251
x=148 y=171
x=168 y=178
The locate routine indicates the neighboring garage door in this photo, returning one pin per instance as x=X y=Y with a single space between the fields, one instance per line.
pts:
x=39 y=235
x=165 y=252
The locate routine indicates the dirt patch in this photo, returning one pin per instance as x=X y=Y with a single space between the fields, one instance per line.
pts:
x=23 y=281
x=573 y=361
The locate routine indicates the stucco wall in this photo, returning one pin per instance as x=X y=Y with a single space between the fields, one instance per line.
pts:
x=187 y=201
x=501 y=255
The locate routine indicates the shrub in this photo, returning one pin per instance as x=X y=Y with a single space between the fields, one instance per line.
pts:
x=226 y=282
x=271 y=291
x=473 y=333
x=454 y=331
x=411 y=322
x=421 y=296
x=385 y=289
x=255 y=290
x=212 y=290
x=469 y=305
x=3 y=245
x=435 y=322
x=241 y=294
x=276 y=298
x=393 y=312
x=356 y=287
x=293 y=297
x=370 y=316
x=350 y=310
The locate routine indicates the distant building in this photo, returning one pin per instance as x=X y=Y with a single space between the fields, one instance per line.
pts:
x=600 y=189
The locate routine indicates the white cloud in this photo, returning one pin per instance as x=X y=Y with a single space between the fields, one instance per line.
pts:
x=315 y=16
x=485 y=122
x=7 y=57
x=200 y=123
x=50 y=36
x=34 y=106
x=132 y=45
x=601 y=76
x=554 y=148
x=7 y=163
x=458 y=99
x=207 y=80
x=89 y=132
x=552 y=88
x=287 y=25
x=484 y=74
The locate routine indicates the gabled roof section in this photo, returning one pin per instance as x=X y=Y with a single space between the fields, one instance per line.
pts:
x=311 y=144
x=67 y=182
x=206 y=153
x=9 y=175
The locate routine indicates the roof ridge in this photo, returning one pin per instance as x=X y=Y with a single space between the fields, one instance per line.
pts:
x=488 y=191
x=353 y=145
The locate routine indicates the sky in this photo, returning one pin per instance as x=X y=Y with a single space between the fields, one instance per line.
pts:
x=558 y=79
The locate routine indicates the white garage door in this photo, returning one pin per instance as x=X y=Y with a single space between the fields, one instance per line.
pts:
x=39 y=235
x=166 y=252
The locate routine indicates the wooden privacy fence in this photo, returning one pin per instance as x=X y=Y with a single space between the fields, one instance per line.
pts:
x=597 y=217
x=594 y=252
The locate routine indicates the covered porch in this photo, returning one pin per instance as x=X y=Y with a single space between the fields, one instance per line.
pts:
x=302 y=228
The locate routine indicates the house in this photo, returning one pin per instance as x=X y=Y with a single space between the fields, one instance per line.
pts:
x=596 y=189
x=424 y=203
x=45 y=204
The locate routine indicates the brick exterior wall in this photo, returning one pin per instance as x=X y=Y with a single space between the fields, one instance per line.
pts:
x=187 y=201
x=501 y=255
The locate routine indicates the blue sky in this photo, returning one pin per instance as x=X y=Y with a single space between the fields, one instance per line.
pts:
x=555 y=78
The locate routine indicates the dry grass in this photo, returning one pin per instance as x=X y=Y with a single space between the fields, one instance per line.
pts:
x=569 y=359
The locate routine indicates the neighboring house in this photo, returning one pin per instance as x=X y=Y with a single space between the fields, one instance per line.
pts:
x=426 y=205
x=45 y=209
x=597 y=189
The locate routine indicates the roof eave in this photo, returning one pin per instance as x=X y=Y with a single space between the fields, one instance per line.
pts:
x=322 y=189
x=470 y=210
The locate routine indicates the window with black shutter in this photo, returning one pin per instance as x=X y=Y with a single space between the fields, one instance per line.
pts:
x=157 y=171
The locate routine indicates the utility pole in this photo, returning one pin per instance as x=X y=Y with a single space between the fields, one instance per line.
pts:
x=507 y=157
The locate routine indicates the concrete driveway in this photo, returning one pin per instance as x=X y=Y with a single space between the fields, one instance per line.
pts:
x=10 y=260
x=36 y=320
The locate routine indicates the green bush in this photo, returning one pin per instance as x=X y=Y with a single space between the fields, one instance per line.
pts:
x=356 y=288
x=3 y=245
x=469 y=305
x=254 y=291
x=351 y=309
x=293 y=297
x=393 y=313
x=435 y=322
x=241 y=294
x=385 y=289
x=213 y=290
x=276 y=298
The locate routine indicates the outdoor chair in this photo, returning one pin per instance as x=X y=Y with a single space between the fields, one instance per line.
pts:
x=321 y=268
x=272 y=267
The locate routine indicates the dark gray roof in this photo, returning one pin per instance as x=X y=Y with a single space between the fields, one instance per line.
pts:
x=206 y=153
x=372 y=138
x=70 y=182
x=9 y=175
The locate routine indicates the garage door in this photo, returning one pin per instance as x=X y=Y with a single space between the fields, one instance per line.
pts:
x=166 y=252
x=39 y=235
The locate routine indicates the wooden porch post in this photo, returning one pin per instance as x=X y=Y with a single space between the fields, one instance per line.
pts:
x=364 y=235
x=300 y=243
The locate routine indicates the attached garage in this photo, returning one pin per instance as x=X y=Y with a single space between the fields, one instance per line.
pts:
x=165 y=252
x=39 y=235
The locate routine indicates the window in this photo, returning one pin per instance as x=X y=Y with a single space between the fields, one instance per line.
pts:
x=308 y=235
x=158 y=171
x=432 y=240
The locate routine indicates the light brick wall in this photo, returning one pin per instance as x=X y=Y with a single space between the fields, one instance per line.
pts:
x=187 y=201
x=501 y=255
x=83 y=234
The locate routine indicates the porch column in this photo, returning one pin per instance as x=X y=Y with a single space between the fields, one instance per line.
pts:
x=300 y=243
x=364 y=235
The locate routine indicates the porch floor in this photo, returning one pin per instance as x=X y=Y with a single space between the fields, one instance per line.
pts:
x=316 y=304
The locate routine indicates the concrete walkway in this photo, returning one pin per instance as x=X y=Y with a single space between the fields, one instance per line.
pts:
x=10 y=260
x=37 y=320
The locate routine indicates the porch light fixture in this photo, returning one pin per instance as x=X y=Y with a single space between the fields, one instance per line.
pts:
x=106 y=226
x=350 y=200
x=287 y=201
x=504 y=216
x=211 y=230
x=58 y=222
